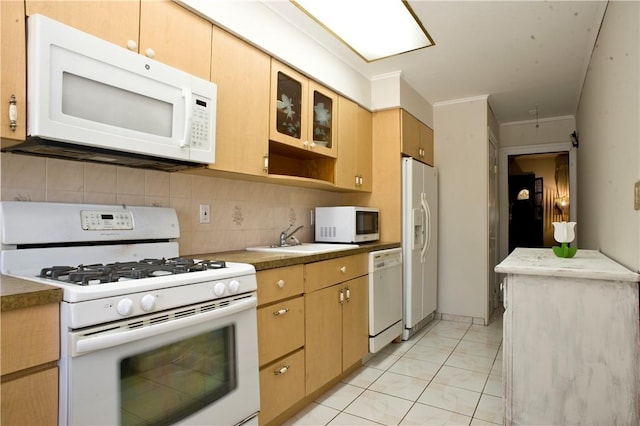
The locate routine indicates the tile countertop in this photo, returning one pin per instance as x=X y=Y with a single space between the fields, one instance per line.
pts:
x=16 y=293
x=262 y=260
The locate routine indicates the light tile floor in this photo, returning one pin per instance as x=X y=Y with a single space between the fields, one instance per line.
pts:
x=450 y=373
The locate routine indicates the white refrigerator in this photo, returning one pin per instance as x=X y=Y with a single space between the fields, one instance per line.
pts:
x=419 y=244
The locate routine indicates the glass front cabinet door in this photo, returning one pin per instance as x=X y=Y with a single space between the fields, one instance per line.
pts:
x=303 y=113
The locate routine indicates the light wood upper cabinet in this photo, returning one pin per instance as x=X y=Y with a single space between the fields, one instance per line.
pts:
x=115 y=21
x=353 y=167
x=364 y=150
x=159 y=29
x=176 y=36
x=242 y=128
x=302 y=112
x=13 y=67
x=417 y=139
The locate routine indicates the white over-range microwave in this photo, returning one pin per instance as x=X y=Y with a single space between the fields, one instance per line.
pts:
x=347 y=224
x=92 y=100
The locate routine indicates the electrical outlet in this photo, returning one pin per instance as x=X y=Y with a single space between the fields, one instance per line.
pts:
x=636 y=195
x=205 y=213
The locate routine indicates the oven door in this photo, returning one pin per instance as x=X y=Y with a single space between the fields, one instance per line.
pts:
x=195 y=365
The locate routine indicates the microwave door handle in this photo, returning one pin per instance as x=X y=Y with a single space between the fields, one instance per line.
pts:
x=188 y=117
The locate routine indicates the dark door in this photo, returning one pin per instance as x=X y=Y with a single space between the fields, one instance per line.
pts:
x=524 y=223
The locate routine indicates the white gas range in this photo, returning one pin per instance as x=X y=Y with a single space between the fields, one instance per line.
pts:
x=147 y=337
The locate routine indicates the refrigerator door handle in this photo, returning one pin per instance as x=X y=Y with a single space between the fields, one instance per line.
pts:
x=427 y=225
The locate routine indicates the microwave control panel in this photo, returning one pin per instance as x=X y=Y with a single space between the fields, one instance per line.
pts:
x=200 y=128
x=94 y=220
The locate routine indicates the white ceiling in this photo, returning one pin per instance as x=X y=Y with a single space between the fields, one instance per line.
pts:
x=523 y=54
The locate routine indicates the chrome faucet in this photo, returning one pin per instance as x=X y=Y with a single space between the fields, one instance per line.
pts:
x=284 y=236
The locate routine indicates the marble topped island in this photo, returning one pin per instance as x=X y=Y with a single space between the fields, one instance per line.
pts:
x=571 y=343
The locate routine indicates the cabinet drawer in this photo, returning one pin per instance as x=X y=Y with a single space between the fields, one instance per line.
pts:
x=31 y=400
x=279 y=283
x=30 y=337
x=280 y=329
x=329 y=272
x=281 y=386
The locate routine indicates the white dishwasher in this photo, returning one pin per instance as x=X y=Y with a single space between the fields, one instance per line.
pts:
x=385 y=297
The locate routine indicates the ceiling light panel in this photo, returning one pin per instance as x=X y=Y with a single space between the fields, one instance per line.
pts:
x=374 y=29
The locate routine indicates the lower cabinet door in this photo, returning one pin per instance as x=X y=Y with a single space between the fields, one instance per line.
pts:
x=323 y=336
x=281 y=386
x=31 y=400
x=355 y=321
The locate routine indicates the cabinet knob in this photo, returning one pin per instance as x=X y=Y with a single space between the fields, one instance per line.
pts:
x=341 y=297
x=13 y=113
x=280 y=312
x=132 y=45
x=312 y=145
x=265 y=159
x=343 y=269
x=348 y=295
x=305 y=144
x=281 y=370
x=280 y=283
x=150 y=53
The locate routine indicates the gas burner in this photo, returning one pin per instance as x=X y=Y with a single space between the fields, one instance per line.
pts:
x=123 y=271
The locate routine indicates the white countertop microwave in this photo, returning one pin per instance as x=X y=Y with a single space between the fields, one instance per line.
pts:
x=347 y=224
x=102 y=102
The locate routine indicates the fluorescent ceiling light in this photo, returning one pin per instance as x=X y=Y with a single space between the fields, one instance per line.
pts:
x=374 y=29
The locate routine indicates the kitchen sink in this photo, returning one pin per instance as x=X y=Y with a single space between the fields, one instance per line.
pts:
x=304 y=248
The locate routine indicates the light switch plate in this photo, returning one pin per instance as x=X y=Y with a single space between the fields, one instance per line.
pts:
x=636 y=195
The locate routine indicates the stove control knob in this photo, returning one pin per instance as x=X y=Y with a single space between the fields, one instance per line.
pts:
x=125 y=307
x=218 y=289
x=234 y=286
x=148 y=302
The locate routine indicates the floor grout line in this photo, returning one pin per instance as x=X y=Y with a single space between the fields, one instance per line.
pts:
x=413 y=341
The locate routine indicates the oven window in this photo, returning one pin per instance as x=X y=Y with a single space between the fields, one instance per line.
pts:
x=164 y=385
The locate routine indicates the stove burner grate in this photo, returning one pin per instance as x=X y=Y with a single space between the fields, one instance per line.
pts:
x=122 y=271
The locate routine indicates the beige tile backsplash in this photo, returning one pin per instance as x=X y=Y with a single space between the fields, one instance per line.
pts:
x=242 y=213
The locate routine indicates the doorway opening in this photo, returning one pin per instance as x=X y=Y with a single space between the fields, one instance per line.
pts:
x=539 y=194
x=561 y=203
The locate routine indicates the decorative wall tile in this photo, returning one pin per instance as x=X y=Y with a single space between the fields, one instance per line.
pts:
x=243 y=213
x=236 y=215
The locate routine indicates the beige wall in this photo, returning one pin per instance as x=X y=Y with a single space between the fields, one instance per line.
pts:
x=461 y=157
x=242 y=213
x=524 y=133
x=608 y=122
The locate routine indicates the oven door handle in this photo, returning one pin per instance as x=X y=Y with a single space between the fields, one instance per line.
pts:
x=82 y=344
